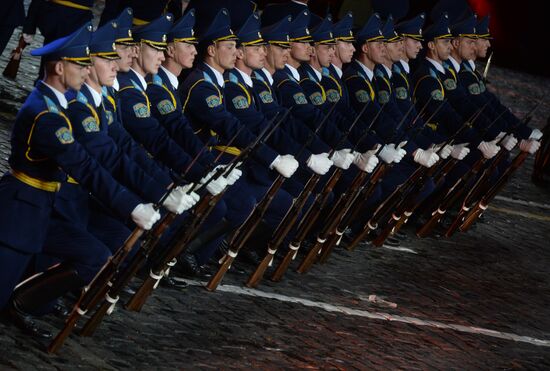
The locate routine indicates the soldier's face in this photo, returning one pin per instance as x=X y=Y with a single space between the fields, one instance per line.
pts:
x=344 y=51
x=481 y=46
x=74 y=75
x=254 y=56
x=325 y=54
x=150 y=59
x=127 y=53
x=104 y=71
x=443 y=49
x=376 y=51
x=411 y=47
x=466 y=48
x=226 y=54
x=394 y=51
x=277 y=57
x=184 y=54
x=300 y=51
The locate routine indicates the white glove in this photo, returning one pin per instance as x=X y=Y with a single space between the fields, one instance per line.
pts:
x=536 y=134
x=233 y=176
x=145 y=216
x=445 y=152
x=28 y=38
x=460 y=151
x=530 y=146
x=215 y=187
x=499 y=137
x=426 y=158
x=178 y=201
x=320 y=164
x=343 y=158
x=367 y=161
x=286 y=165
x=509 y=142
x=488 y=149
x=388 y=153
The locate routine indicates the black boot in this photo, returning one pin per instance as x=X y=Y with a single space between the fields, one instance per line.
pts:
x=38 y=291
x=256 y=247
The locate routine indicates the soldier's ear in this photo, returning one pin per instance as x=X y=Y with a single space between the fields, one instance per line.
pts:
x=240 y=53
x=365 y=48
x=59 y=67
x=455 y=43
x=431 y=45
x=211 y=50
x=171 y=50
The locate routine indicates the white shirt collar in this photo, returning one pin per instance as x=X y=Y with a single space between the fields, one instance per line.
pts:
x=173 y=78
x=268 y=75
x=438 y=66
x=367 y=70
x=60 y=97
x=472 y=64
x=388 y=70
x=246 y=77
x=116 y=85
x=318 y=74
x=455 y=64
x=338 y=70
x=406 y=66
x=141 y=79
x=294 y=72
x=95 y=95
x=219 y=76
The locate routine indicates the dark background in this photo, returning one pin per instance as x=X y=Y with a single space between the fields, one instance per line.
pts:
x=519 y=28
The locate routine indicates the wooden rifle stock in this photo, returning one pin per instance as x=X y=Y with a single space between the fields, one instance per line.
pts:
x=307 y=222
x=13 y=65
x=482 y=205
x=95 y=290
x=244 y=232
x=282 y=231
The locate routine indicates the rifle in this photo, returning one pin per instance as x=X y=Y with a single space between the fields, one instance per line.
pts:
x=100 y=285
x=480 y=185
x=483 y=203
x=144 y=252
x=285 y=226
x=486 y=70
x=245 y=231
x=390 y=202
x=340 y=208
x=407 y=205
x=188 y=232
x=451 y=198
x=13 y=65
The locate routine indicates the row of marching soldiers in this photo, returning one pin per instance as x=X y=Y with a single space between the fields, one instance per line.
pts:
x=284 y=139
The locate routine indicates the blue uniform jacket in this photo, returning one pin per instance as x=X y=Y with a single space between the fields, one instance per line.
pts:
x=135 y=108
x=44 y=152
x=205 y=106
x=167 y=108
x=291 y=94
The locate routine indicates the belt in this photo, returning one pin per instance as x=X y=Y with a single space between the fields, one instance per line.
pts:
x=70 y=4
x=231 y=150
x=36 y=183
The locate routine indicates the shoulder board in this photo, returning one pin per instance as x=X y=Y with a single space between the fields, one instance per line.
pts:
x=396 y=68
x=258 y=76
x=326 y=71
x=467 y=67
x=136 y=85
x=433 y=74
x=157 y=80
x=290 y=77
x=104 y=91
x=81 y=98
x=233 y=78
x=310 y=76
x=52 y=107
x=207 y=78
x=446 y=65
x=379 y=73
x=359 y=73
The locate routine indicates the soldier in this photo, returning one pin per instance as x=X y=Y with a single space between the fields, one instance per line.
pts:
x=12 y=15
x=206 y=106
x=43 y=153
x=167 y=109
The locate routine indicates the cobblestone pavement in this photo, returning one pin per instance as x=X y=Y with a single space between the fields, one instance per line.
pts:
x=478 y=300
